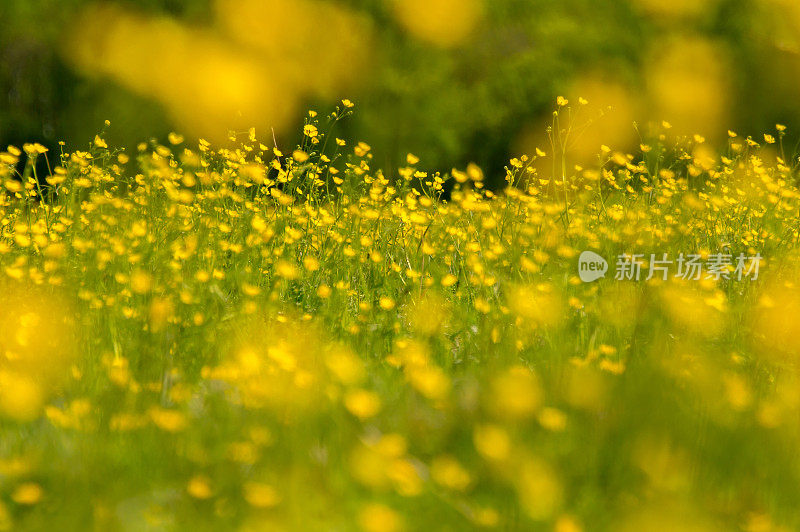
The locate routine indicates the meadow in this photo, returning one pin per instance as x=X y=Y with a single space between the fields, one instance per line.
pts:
x=242 y=336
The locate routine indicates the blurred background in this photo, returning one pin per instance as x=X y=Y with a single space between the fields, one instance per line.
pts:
x=452 y=81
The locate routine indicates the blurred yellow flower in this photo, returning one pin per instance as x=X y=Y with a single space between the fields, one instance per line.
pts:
x=379 y=518
x=362 y=403
x=27 y=494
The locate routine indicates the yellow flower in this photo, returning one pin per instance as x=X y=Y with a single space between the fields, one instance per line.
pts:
x=324 y=291
x=379 y=518
x=141 y=282
x=449 y=280
x=552 y=419
x=311 y=264
x=492 y=441
x=516 y=393
x=260 y=495
x=20 y=397
x=27 y=494
x=442 y=23
x=168 y=420
x=34 y=149
x=286 y=270
x=474 y=172
x=362 y=403
x=199 y=487
x=449 y=473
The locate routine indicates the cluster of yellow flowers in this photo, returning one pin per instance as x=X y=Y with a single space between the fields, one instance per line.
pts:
x=262 y=340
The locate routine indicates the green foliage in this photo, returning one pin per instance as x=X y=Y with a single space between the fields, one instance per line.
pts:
x=451 y=106
x=237 y=338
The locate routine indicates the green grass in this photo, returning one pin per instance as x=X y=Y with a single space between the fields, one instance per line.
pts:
x=201 y=338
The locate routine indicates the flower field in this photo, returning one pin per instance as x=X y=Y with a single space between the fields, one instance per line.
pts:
x=254 y=337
